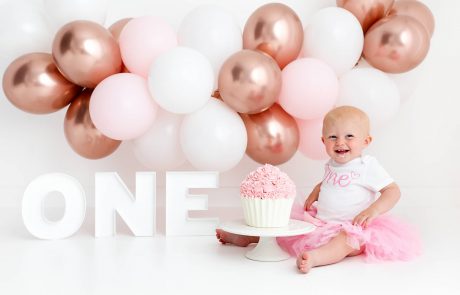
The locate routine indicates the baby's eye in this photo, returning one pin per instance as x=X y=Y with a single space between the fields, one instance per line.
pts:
x=349 y=136
x=332 y=137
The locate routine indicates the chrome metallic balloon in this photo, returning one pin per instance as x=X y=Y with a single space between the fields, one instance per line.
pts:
x=249 y=82
x=273 y=136
x=82 y=135
x=396 y=44
x=276 y=30
x=417 y=10
x=34 y=84
x=367 y=12
x=116 y=28
x=86 y=53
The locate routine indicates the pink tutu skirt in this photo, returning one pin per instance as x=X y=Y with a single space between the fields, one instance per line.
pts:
x=386 y=238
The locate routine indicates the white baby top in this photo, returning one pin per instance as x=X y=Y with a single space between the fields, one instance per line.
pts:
x=347 y=189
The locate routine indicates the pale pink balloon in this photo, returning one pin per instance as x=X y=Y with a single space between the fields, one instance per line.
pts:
x=310 y=144
x=142 y=40
x=309 y=88
x=121 y=106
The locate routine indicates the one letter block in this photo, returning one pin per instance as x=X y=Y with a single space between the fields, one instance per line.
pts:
x=179 y=202
x=113 y=196
x=33 y=212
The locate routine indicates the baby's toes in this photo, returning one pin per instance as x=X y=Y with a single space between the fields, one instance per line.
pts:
x=303 y=269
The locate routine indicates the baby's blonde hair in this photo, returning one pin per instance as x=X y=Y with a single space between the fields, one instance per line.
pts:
x=347 y=113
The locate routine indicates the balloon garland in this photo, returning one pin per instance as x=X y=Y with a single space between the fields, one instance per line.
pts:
x=210 y=92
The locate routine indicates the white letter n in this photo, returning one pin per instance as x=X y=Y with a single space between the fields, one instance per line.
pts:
x=112 y=196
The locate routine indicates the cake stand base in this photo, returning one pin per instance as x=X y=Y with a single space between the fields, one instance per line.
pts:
x=267 y=249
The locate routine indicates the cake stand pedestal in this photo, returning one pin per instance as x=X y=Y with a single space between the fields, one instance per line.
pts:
x=267 y=248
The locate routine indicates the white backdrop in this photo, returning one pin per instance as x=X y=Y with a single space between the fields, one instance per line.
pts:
x=418 y=147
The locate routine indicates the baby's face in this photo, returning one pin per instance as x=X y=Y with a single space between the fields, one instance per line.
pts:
x=345 y=140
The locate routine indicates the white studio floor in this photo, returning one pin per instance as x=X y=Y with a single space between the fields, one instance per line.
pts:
x=125 y=264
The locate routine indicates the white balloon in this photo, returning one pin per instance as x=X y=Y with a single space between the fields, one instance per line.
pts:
x=23 y=29
x=214 y=137
x=61 y=12
x=406 y=82
x=334 y=35
x=372 y=91
x=213 y=31
x=159 y=148
x=181 y=80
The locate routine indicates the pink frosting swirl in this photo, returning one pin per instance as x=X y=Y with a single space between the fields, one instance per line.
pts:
x=267 y=182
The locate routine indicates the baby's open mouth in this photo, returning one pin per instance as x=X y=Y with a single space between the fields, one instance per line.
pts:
x=342 y=151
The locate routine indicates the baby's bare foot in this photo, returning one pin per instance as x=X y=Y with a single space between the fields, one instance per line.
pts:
x=238 y=240
x=304 y=262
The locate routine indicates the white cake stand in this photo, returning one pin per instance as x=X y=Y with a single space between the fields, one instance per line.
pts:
x=267 y=248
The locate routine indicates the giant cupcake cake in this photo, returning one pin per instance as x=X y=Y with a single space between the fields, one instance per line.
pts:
x=267 y=195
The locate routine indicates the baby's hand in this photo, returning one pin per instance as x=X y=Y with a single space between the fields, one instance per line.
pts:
x=313 y=197
x=365 y=217
x=308 y=202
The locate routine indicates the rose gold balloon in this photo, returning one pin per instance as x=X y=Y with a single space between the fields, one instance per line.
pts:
x=417 y=10
x=82 y=135
x=86 y=53
x=276 y=30
x=396 y=44
x=34 y=84
x=116 y=28
x=273 y=136
x=367 y=11
x=249 y=81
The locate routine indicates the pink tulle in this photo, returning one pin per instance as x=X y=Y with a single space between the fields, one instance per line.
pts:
x=386 y=238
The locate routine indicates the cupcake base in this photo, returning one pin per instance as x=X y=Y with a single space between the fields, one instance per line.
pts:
x=267 y=212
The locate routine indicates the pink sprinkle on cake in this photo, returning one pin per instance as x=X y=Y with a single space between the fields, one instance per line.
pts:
x=267 y=182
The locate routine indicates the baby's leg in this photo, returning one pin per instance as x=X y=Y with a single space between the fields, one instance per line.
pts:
x=238 y=240
x=332 y=252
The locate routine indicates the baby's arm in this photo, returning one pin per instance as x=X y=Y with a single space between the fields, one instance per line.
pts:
x=389 y=197
x=312 y=197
